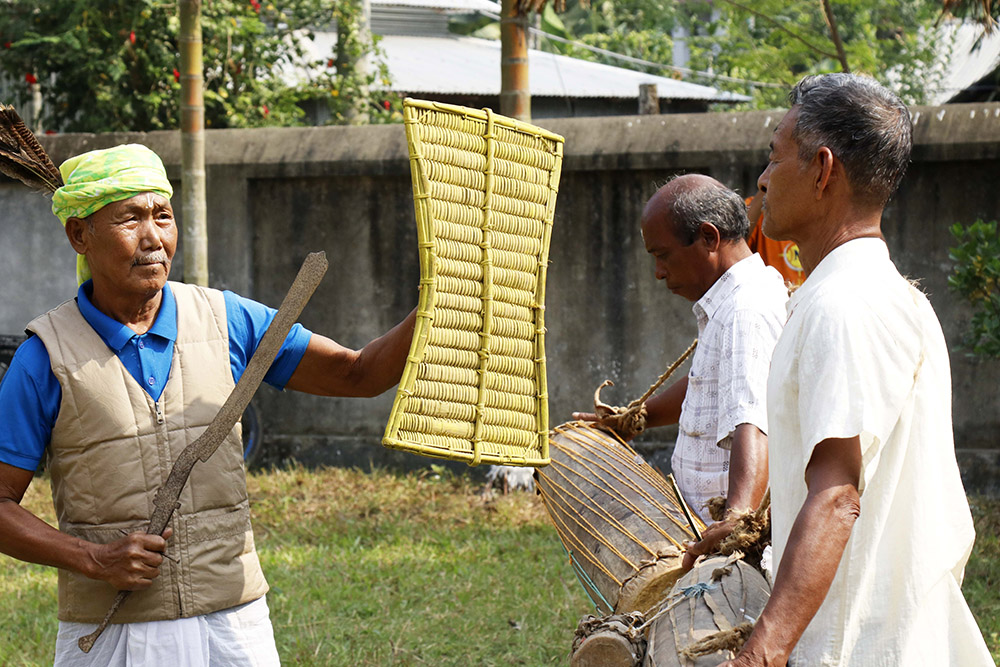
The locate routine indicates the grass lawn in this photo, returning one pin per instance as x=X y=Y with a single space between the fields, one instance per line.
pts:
x=387 y=569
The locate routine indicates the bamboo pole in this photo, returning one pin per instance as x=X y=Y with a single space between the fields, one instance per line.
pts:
x=193 y=145
x=515 y=95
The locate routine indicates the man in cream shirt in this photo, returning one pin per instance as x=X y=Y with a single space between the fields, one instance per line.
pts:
x=871 y=526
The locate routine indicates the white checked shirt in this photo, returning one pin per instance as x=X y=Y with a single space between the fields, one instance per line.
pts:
x=739 y=320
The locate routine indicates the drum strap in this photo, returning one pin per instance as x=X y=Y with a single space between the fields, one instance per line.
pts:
x=721 y=621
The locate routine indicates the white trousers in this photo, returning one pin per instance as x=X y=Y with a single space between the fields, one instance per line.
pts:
x=236 y=637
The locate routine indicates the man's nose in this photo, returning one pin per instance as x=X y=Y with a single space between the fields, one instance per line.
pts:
x=762 y=179
x=149 y=234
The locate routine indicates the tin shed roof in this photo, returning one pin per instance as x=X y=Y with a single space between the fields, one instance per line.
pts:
x=471 y=66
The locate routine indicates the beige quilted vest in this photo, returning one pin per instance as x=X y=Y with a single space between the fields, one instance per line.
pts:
x=112 y=447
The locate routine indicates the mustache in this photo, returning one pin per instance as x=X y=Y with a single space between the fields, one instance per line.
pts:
x=156 y=257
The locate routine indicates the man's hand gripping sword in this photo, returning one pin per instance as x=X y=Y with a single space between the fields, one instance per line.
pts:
x=166 y=500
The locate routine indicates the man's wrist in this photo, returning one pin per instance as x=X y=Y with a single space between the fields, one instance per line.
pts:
x=86 y=561
x=764 y=647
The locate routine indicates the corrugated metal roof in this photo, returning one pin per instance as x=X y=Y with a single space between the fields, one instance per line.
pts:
x=453 y=5
x=471 y=66
x=965 y=65
x=409 y=21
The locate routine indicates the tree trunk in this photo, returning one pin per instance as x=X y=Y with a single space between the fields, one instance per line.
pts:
x=515 y=95
x=193 y=145
x=349 y=37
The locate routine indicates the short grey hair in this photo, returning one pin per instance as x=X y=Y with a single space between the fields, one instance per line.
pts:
x=865 y=125
x=708 y=202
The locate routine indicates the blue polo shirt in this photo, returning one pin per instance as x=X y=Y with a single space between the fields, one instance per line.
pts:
x=30 y=394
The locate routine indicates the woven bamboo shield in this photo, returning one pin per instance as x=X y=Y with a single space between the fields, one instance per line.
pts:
x=712 y=604
x=619 y=520
x=484 y=190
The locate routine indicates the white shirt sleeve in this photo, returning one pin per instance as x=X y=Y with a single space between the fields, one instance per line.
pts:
x=855 y=373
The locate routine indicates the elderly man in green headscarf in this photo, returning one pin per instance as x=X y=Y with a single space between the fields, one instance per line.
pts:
x=110 y=388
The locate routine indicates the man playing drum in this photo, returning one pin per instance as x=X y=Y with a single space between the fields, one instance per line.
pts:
x=696 y=230
x=109 y=389
x=870 y=524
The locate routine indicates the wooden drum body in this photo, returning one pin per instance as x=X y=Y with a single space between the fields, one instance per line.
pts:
x=617 y=517
x=715 y=604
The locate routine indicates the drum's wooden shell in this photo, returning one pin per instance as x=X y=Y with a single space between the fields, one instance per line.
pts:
x=609 y=641
x=731 y=599
x=617 y=517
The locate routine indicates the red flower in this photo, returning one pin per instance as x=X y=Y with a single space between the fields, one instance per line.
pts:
x=256 y=5
x=177 y=75
x=30 y=78
x=50 y=132
x=386 y=105
x=131 y=37
x=6 y=45
x=329 y=63
x=266 y=110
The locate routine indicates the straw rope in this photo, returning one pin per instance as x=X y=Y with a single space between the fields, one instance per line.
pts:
x=630 y=421
x=474 y=385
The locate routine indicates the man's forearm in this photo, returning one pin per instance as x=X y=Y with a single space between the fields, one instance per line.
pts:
x=808 y=566
x=815 y=547
x=330 y=369
x=665 y=407
x=381 y=362
x=747 y=468
x=26 y=537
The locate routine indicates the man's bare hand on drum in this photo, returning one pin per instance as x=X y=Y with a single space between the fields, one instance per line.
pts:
x=710 y=539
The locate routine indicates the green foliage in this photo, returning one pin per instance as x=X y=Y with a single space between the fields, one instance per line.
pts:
x=769 y=41
x=892 y=40
x=637 y=28
x=976 y=277
x=111 y=65
x=987 y=12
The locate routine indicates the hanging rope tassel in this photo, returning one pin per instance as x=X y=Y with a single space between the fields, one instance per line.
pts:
x=727 y=640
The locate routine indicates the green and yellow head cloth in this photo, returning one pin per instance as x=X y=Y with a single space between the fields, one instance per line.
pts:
x=95 y=179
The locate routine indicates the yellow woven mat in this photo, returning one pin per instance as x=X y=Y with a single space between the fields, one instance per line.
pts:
x=484 y=190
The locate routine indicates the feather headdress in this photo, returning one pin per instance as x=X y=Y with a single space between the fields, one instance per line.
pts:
x=22 y=157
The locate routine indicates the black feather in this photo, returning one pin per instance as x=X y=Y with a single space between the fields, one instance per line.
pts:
x=22 y=157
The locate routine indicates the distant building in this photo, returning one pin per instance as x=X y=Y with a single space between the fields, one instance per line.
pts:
x=426 y=61
x=972 y=73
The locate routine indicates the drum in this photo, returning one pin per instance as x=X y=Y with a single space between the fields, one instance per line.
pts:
x=618 y=518
x=609 y=641
x=708 y=615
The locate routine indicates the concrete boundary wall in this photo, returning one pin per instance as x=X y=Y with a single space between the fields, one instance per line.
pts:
x=275 y=195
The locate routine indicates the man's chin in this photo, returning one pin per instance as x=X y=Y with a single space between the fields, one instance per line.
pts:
x=152 y=275
x=157 y=268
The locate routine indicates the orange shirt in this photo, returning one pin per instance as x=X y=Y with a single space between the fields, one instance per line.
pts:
x=782 y=255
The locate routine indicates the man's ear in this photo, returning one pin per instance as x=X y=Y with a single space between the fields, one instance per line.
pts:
x=710 y=236
x=826 y=164
x=77 y=231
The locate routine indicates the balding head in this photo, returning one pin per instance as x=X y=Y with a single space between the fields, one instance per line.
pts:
x=688 y=201
x=695 y=229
